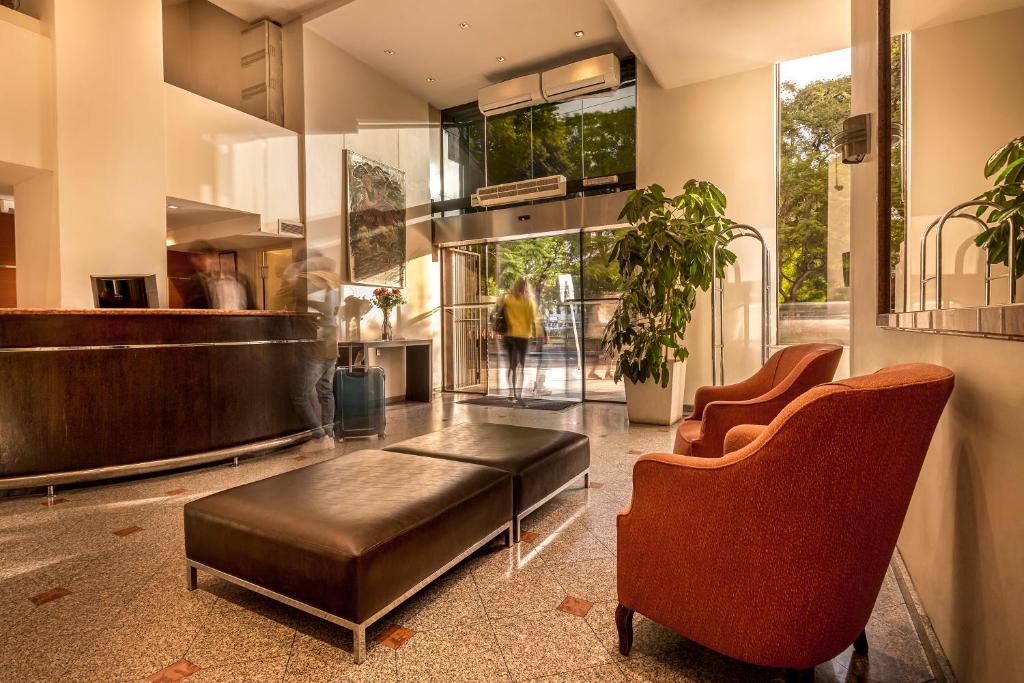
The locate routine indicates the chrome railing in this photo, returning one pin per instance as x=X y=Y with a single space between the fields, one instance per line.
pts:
x=937 y=225
x=718 y=301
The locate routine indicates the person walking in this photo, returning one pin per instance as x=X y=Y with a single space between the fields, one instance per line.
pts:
x=520 y=312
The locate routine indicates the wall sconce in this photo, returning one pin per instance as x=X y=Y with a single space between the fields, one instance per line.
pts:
x=854 y=143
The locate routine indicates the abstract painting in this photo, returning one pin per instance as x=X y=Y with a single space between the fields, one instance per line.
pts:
x=375 y=196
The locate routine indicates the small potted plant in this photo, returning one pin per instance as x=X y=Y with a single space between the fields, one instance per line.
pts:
x=385 y=299
x=1007 y=165
x=664 y=258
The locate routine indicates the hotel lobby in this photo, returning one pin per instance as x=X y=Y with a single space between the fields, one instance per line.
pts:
x=590 y=340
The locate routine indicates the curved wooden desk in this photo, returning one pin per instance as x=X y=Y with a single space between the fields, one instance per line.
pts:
x=88 y=395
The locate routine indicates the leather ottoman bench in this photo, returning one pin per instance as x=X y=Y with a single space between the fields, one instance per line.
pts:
x=349 y=539
x=542 y=462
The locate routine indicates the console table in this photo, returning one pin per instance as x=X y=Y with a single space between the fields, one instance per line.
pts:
x=418 y=355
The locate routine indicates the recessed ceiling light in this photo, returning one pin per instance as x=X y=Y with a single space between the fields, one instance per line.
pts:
x=430 y=79
x=389 y=52
x=578 y=34
x=173 y=206
x=500 y=58
x=463 y=24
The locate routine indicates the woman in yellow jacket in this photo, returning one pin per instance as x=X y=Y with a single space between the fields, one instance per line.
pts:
x=521 y=325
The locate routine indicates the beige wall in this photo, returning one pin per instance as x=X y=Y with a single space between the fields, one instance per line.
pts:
x=723 y=131
x=109 y=149
x=203 y=49
x=961 y=537
x=221 y=156
x=350 y=106
x=952 y=134
x=26 y=112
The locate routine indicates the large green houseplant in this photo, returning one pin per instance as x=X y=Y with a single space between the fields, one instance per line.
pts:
x=665 y=257
x=1007 y=165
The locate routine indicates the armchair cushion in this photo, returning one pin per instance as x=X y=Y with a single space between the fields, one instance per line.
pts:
x=742 y=435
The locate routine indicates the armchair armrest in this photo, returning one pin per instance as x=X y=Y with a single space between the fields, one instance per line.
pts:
x=752 y=387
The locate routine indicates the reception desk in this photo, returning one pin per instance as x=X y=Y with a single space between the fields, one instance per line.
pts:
x=88 y=395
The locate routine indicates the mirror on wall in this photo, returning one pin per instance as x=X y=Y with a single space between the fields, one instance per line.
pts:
x=955 y=199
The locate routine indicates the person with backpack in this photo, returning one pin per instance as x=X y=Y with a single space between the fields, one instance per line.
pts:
x=517 y=315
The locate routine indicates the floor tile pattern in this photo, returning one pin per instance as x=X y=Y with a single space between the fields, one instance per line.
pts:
x=79 y=603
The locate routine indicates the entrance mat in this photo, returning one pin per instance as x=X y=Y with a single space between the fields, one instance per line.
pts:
x=531 y=403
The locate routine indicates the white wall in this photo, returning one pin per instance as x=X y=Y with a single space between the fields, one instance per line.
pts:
x=961 y=537
x=723 y=131
x=221 y=156
x=350 y=106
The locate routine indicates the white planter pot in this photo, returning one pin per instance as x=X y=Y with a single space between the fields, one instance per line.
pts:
x=649 y=403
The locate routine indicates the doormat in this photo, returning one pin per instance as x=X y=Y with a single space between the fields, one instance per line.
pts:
x=531 y=403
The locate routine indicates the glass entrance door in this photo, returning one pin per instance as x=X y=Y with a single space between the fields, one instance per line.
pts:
x=574 y=290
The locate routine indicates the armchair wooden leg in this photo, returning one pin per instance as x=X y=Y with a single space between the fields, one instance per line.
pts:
x=860 y=646
x=624 y=622
x=799 y=675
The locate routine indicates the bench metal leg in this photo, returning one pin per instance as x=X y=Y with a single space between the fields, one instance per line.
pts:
x=586 y=479
x=509 y=541
x=359 y=644
x=517 y=528
x=191 y=579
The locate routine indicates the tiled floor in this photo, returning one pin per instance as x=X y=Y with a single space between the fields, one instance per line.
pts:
x=93 y=589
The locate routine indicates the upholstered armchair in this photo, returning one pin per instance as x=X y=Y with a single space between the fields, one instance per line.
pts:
x=774 y=553
x=756 y=400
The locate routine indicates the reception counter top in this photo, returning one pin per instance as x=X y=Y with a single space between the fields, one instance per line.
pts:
x=88 y=395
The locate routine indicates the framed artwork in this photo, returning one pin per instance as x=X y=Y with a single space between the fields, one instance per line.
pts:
x=375 y=206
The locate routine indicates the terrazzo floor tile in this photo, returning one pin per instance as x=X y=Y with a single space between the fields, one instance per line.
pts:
x=462 y=653
x=494 y=617
x=547 y=643
x=531 y=589
x=229 y=636
x=592 y=580
x=596 y=674
x=130 y=653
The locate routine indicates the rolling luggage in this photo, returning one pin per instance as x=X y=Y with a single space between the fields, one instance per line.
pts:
x=359 y=401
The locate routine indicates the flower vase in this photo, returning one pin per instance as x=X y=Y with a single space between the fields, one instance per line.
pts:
x=385 y=329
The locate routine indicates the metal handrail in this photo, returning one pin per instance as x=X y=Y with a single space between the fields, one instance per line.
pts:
x=937 y=225
x=718 y=301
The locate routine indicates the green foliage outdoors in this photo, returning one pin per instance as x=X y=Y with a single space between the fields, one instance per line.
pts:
x=664 y=257
x=809 y=117
x=1007 y=165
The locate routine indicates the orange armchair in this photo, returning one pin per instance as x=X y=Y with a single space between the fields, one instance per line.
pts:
x=757 y=399
x=774 y=553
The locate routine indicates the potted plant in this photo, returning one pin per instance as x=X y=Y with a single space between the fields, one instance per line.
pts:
x=1008 y=194
x=664 y=257
x=385 y=299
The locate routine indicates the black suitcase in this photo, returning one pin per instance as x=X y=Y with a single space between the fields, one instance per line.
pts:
x=359 y=401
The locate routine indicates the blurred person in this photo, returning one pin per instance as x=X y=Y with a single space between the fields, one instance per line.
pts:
x=314 y=392
x=214 y=287
x=597 y=321
x=520 y=311
x=541 y=328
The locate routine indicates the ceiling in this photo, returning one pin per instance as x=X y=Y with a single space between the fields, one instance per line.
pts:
x=428 y=41
x=688 y=41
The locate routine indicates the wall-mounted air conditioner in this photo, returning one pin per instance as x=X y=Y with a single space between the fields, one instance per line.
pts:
x=510 y=95
x=579 y=78
x=290 y=228
x=524 y=190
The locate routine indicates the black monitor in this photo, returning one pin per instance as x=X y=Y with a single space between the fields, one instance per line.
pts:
x=125 y=291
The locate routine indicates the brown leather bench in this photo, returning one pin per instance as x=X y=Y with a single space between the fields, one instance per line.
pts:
x=349 y=539
x=542 y=462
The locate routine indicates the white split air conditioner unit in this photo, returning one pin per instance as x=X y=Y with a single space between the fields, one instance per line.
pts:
x=510 y=95
x=580 y=78
x=524 y=190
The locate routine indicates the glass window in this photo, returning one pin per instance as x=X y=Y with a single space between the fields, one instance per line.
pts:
x=813 y=218
x=557 y=139
x=509 y=147
x=609 y=133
